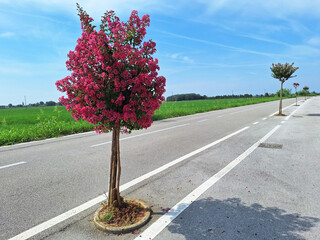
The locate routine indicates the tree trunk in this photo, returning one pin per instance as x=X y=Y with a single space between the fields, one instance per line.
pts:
x=280 y=105
x=114 y=198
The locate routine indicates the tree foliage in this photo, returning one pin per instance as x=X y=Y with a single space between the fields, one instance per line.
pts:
x=286 y=92
x=114 y=80
x=283 y=71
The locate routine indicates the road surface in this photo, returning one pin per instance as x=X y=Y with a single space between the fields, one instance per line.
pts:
x=237 y=173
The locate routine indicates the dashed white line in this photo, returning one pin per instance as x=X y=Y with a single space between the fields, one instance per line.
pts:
x=11 y=165
x=165 y=220
x=203 y=120
x=64 y=216
x=264 y=119
x=143 y=134
x=255 y=123
x=283 y=122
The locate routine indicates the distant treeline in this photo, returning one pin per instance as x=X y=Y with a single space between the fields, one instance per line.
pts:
x=38 y=104
x=194 y=96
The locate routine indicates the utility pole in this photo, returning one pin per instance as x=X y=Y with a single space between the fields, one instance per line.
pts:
x=25 y=101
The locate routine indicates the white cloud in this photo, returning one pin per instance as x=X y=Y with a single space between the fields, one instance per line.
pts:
x=96 y=8
x=271 y=8
x=6 y=34
x=237 y=49
x=180 y=57
x=315 y=41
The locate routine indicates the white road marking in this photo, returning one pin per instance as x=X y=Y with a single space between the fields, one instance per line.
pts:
x=271 y=115
x=283 y=121
x=203 y=120
x=170 y=164
x=11 y=165
x=220 y=116
x=255 y=123
x=287 y=118
x=243 y=110
x=264 y=119
x=152 y=231
x=64 y=216
x=143 y=134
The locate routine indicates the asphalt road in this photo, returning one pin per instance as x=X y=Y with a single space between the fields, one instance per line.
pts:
x=229 y=187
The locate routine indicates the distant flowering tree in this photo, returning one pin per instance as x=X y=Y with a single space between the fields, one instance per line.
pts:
x=282 y=72
x=306 y=91
x=114 y=82
x=296 y=85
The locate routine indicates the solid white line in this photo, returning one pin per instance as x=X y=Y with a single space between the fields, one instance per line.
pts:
x=58 y=219
x=170 y=164
x=152 y=231
x=271 y=115
x=143 y=134
x=255 y=123
x=287 y=118
x=203 y=120
x=62 y=217
x=11 y=165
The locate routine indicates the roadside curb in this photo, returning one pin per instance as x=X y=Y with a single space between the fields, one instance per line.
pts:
x=124 y=229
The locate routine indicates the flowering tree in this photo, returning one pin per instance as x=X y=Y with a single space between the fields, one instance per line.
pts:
x=306 y=91
x=282 y=72
x=114 y=82
x=296 y=85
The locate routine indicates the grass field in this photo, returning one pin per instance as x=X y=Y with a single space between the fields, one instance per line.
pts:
x=34 y=123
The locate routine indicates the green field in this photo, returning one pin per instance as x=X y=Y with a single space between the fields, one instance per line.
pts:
x=34 y=123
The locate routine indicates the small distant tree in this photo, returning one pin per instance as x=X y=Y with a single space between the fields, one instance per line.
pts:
x=114 y=82
x=282 y=72
x=10 y=105
x=50 y=103
x=306 y=90
x=286 y=92
x=296 y=85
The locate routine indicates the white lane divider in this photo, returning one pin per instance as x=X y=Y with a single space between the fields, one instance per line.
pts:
x=166 y=219
x=203 y=120
x=287 y=117
x=271 y=115
x=11 y=165
x=143 y=134
x=64 y=216
x=264 y=119
x=255 y=123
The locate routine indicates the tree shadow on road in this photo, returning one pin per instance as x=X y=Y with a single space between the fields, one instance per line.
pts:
x=232 y=219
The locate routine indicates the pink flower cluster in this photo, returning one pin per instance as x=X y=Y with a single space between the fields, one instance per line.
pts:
x=114 y=80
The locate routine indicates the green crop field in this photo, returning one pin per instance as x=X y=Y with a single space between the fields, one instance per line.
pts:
x=34 y=123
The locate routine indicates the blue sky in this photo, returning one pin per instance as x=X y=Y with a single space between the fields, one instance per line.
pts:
x=207 y=47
